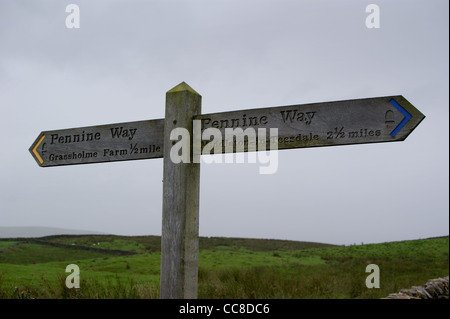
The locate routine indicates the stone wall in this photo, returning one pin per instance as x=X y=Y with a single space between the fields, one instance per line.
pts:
x=433 y=289
x=98 y=250
x=22 y=241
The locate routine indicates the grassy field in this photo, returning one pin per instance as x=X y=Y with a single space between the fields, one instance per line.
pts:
x=228 y=267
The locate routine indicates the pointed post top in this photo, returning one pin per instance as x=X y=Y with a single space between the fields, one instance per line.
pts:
x=182 y=87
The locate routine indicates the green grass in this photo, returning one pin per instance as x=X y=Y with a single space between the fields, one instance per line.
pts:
x=6 y=244
x=228 y=268
x=334 y=272
x=45 y=279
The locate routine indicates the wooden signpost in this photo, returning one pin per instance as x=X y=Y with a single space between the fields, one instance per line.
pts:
x=371 y=120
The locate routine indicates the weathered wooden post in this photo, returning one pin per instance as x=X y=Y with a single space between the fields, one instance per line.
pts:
x=180 y=209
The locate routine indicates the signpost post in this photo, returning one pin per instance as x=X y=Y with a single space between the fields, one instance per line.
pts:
x=371 y=120
x=179 y=237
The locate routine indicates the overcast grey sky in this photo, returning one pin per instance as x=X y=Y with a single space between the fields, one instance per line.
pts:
x=237 y=54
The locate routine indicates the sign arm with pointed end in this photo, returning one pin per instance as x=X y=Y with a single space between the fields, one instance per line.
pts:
x=99 y=144
x=360 y=121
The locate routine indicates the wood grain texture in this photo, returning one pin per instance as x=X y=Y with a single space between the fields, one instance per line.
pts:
x=179 y=240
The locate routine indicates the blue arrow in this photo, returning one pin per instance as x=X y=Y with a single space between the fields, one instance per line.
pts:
x=405 y=120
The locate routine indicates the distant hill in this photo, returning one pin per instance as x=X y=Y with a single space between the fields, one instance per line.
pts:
x=27 y=232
